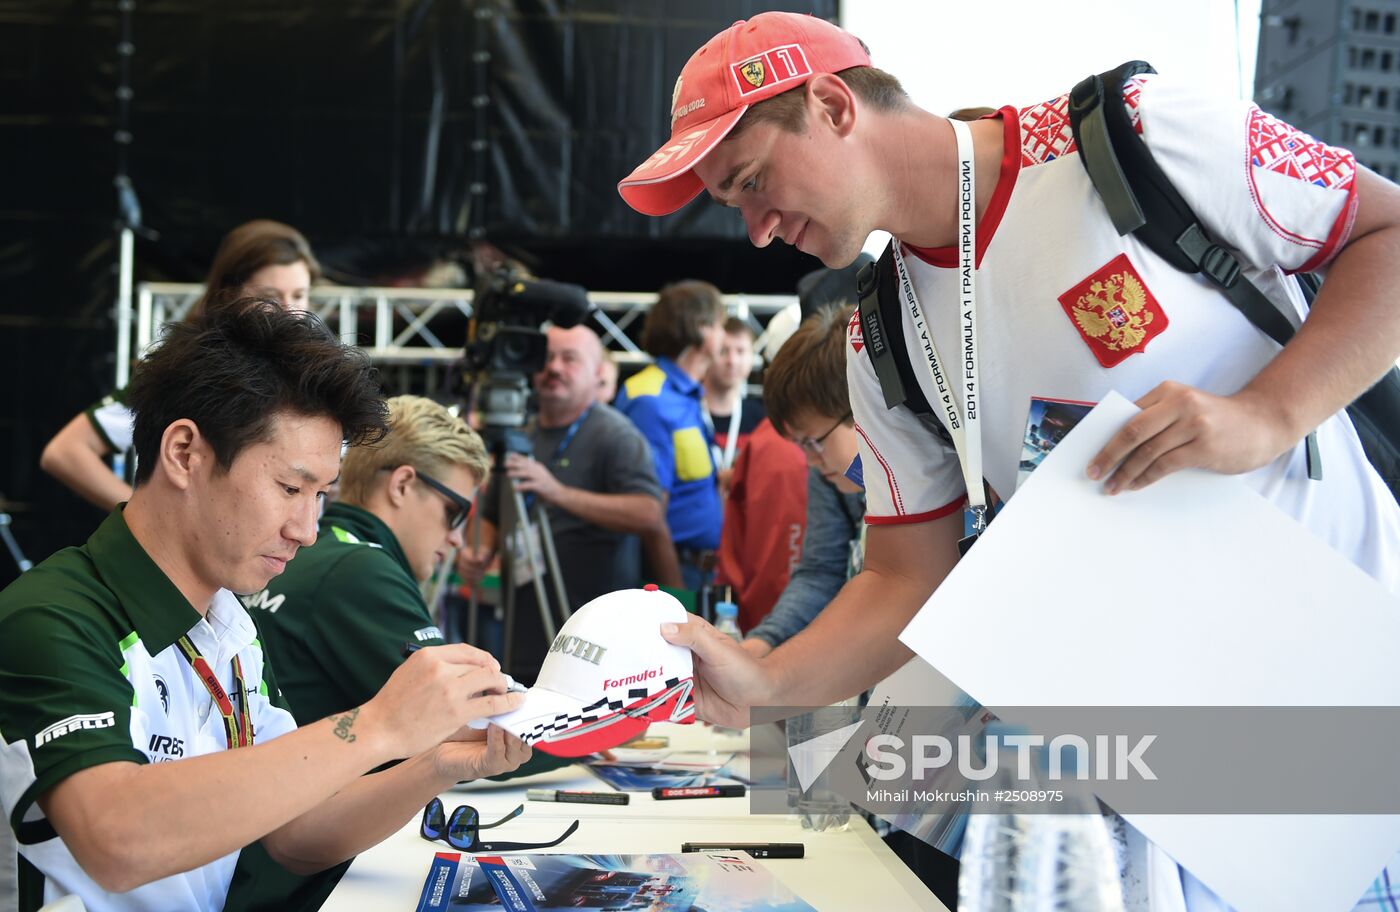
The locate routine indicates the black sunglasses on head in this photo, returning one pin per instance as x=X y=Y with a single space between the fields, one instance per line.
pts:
x=462 y=829
x=458 y=507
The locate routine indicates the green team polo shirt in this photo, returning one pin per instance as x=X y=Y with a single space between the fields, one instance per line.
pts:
x=89 y=674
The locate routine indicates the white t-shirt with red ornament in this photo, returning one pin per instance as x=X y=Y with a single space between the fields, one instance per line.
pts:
x=1068 y=310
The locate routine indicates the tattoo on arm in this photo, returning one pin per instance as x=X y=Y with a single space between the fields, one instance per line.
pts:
x=343 y=724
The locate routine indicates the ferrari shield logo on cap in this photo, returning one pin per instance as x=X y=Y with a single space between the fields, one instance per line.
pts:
x=752 y=71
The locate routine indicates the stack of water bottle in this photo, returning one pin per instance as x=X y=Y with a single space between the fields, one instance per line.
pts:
x=1019 y=860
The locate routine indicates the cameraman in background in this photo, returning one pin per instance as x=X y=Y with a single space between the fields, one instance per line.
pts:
x=592 y=471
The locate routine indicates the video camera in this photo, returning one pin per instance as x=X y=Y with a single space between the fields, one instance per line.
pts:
x=505 y=346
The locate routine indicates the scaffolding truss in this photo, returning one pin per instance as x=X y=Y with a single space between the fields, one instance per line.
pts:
x=394 y=326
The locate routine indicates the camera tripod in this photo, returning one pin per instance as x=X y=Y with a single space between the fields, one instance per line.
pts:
x=514 y=524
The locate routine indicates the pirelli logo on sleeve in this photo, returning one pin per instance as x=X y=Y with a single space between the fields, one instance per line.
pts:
x=74 y=723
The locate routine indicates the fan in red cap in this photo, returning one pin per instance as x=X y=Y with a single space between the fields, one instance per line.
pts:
x=744 y=64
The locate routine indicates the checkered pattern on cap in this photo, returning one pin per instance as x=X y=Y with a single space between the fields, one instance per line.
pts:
x=608 y=711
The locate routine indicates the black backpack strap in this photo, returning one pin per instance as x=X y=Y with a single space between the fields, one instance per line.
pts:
x=882 y=326
x=876 y=281
x=1142 y=200
x=1088 y=121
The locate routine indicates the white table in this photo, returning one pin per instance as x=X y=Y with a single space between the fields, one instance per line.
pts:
x=852 y=869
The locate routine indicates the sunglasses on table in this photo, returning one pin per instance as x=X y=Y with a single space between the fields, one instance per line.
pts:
x=462 y=829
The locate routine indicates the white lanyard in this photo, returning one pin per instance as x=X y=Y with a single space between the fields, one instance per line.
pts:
x=957 y=402
x=725 y=459
x=731 y=438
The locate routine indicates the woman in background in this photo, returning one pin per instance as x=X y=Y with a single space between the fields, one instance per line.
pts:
x=261 y=257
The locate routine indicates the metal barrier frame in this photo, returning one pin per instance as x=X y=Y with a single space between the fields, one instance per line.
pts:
x=401 y=333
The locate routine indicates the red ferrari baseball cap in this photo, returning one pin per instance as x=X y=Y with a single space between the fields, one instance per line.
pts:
x=746 y=63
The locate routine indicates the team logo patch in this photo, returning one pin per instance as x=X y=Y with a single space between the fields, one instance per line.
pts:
x=1276 y=146
x=854 y=333
x=773 y=67
x=753 y=73
x=164 y=691
x=166 y=747
x=1114 y=311
x=576 y=646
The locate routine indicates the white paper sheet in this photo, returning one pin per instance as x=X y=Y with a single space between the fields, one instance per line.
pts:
x=1193 y=592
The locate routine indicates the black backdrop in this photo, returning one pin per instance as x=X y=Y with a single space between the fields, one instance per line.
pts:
x=359 y=121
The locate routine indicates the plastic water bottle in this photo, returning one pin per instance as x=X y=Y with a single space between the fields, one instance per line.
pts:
x=727 y=623
x=820 y=807
x=727 y=620
x=1037 y=862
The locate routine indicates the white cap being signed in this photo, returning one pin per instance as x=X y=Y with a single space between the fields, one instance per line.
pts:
x=607 y=675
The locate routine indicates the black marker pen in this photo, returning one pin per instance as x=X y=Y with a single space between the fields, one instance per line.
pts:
x=754 y=849
x=699 y=791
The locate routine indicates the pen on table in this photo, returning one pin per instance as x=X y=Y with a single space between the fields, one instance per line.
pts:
x=573 y=797
x=699 y=791
x=512 y=685
x=754 y=849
